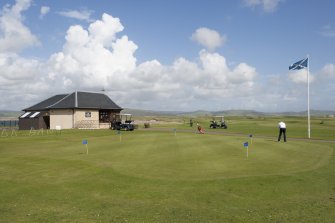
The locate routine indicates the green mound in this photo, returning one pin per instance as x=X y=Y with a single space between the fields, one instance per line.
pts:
x=197 y=157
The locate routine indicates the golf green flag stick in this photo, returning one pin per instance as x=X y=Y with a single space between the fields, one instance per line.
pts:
x=86 y=144
x=119 y=133
x=246 y=145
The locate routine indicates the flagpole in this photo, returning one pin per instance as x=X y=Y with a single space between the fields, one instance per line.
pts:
x=308 y=112
x=302 y=64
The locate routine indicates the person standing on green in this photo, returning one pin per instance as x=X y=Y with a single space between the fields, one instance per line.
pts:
x=282 y=130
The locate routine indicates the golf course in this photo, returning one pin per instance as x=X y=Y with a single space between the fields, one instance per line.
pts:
x=171 y=173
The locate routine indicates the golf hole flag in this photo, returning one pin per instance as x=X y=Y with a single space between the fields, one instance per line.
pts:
x=250 y=136
x=118 y=132
x=246 y=145
x=85 y=143
x=301 y=64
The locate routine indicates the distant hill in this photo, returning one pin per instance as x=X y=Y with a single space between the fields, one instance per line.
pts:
x=222 y=113
x=138 y=112
x=304 y=113
x=10 y=114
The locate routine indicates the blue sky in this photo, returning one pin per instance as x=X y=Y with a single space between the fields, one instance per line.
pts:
x=169 y=55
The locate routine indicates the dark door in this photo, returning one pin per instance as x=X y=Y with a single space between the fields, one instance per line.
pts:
x=46 y=120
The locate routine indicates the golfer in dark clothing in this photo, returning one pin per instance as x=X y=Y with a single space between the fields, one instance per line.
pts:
x=282 y=130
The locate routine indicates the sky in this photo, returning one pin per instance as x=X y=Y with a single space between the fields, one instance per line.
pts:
x=170 y=55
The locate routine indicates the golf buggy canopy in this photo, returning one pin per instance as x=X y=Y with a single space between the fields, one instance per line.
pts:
x=218 y=124
x=122 y=122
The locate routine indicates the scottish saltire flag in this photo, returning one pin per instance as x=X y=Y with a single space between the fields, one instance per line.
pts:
x=299 y=65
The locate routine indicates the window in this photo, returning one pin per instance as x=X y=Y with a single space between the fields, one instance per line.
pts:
x=87 y=114
x=35 y=114
x=104 y=116
x=25 y=114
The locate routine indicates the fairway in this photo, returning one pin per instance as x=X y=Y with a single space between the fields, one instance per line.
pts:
x=159 y=176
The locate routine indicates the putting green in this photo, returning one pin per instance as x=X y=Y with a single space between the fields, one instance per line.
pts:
x=188 y=156
x=149 y=176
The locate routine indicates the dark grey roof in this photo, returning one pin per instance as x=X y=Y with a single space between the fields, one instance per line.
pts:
x=78 y=99
x=44 y=104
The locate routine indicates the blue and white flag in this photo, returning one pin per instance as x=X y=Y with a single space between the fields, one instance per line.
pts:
x=246 y=145
x=301 y=64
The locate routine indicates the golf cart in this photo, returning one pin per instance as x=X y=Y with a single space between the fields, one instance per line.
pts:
x=220 y=124
x=122 y=122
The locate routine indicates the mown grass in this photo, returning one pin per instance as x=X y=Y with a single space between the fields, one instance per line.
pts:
x=150 y=176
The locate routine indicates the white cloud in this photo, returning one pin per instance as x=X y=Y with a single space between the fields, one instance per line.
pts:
x=75 y=14
x=243 y=73
x=105 y=30
x=185 y=82
x=99 y=57
x=95 y=57
x=323 y=88
x=186 y=71
x=328 y=71
x=267 y=5
x=327 y=31
x=208 y=38
x=14 y=68
x=21 y=81
x=14 y=35
x=300 y=76
x=43 y=11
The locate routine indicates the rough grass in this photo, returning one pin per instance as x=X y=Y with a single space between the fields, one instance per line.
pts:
x=150 y=176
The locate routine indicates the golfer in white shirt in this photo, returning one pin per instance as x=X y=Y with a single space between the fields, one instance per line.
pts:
x=282 y=130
